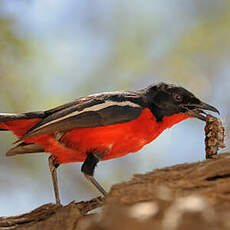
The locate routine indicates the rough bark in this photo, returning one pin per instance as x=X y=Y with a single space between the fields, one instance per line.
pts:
x=185 y=196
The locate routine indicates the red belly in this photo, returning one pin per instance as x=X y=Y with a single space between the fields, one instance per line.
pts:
x=114 y=140
x=117 y=140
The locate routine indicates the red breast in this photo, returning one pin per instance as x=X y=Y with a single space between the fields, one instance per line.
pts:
x=116 y=140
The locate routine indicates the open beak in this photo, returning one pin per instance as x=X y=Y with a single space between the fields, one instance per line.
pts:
x=196 y=110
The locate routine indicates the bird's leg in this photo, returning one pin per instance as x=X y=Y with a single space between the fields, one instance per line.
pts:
x=53 y=170
x=88 y=168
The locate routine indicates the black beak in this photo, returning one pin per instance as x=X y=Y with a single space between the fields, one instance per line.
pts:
x=196 y=110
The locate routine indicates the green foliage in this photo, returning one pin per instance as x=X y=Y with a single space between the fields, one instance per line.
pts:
x=14 y=53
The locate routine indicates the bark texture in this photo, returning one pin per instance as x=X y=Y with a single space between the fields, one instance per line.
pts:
x=185 y=196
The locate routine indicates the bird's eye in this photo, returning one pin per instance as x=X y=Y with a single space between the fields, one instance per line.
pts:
x=177 y=97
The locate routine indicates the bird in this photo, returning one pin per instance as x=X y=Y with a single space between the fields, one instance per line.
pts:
x=101 y=126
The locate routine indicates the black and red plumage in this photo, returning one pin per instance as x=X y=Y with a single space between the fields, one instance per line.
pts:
x=102 y=126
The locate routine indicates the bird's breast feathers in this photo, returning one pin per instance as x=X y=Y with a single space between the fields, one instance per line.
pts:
x=118 y=139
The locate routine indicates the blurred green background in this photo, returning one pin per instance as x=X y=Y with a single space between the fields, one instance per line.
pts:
x=53 y=51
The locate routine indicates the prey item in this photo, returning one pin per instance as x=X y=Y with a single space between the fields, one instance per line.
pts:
x=214 y=136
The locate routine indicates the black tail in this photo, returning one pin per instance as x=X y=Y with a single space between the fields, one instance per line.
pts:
x=19 y=124
x=21 y=116
x=24 y=148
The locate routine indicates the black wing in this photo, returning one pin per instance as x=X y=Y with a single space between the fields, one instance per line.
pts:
x=92 y=111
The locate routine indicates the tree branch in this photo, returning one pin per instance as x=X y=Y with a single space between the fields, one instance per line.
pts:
x=185 y=196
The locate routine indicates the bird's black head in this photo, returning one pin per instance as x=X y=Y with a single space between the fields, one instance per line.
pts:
x=167 y=99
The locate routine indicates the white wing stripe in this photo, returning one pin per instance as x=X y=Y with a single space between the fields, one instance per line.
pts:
x=91 y=108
